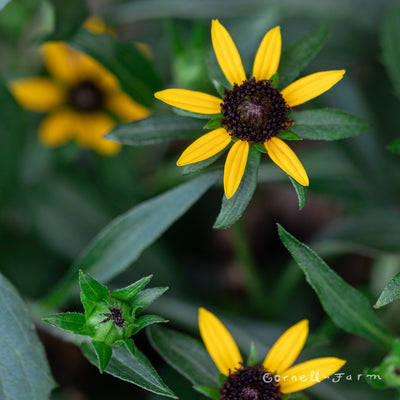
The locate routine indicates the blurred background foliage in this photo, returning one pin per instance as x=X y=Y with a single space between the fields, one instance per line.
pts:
x=54 y=201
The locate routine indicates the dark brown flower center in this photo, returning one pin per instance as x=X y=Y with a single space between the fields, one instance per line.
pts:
x=250 y=383
x=255 y=111
x=115 y=315
x=86 y=96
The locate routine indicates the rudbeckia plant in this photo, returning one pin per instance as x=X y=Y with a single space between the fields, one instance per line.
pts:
x=275 y=376
x=82 y=100
x=252 y=112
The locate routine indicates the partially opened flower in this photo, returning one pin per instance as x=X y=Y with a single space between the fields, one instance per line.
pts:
x=82 y=100
x=275 y=376
x=253 y=111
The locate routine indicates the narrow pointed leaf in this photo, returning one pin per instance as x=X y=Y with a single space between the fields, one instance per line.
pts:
x=252 y=358
x=301 y=192
x=103 y=353
x=186 y=354
x=148 y=296
x=296 y=57
x=326 y=124
x=129 y=292
x=209 y=391
x=92 y=289
x=199 y=166
x=133 y=69
x=68 y=16
x=120 y=243
x=390 y=293
x=24 y=372
x=348 y=308
x=146 y=320
x=232 y=209
x=73 y=322
x=374 y=230
x=137 y=370
x=214 y=123
x=156 y=129
x=130 y=346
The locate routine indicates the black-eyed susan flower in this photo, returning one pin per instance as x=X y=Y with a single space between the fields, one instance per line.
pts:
x=253 y=111
x=82 y=100
x=275 y=376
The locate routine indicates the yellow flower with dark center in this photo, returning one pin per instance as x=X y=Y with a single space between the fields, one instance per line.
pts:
x=82 y=99
x=254 y=111
x=275 y=376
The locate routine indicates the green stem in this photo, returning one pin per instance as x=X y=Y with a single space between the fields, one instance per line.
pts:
x=252 y=278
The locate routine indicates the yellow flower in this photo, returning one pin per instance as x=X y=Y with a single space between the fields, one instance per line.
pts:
x=253 y=111
x=82 y=99
x=275 y=375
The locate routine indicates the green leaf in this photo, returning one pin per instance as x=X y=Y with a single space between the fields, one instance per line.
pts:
x=156 y=129
x=252 y=358
x=375 y=230
x=348 y=308
x=186 y=354
x=394 y=147
x=390 y=37
x=326 y=124
x=69 y=16
x=136 y=370
x=121 y=242
x=296 y=57
x=129 y=292
x=214 y=123
x=135 y=72
x=288 y=135
x=73 y=322
x=146 y=320
x=103 y=352
x=129 y=344
x=301 y=192
x=275 y=80
x=92 y=289
x=232 y=209
x=24 y=372
x=148 y=296
x=199 y=166
x=390 y=293
x=191 y=114
x=211 y=392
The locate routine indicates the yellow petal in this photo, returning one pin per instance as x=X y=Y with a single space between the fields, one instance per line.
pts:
x=91 y=130
x=60 y=61
x=284 y=157
x=72 y=66
x=268 y=55
x=190 y=100
x=227 y=55
x=287 y=348
x=38 y=94
x=309 y=373
x=58 y=128
x=235 y=165
x=305 y=89
x=125 y=108
x=219 y=342
x=205 y=147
